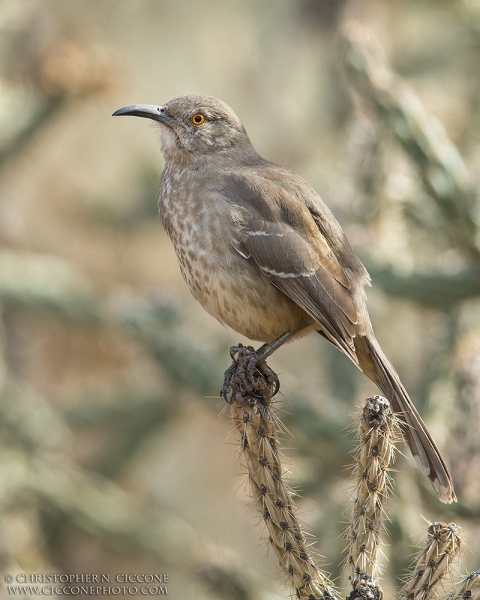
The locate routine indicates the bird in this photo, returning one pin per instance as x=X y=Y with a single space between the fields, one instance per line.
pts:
x=263 y=254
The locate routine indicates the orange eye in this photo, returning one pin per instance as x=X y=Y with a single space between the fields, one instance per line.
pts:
x=198 y=119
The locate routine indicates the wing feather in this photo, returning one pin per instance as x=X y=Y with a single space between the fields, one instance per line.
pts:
x=304 y=275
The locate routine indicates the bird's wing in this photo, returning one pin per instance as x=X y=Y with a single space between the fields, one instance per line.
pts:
x=308 y=274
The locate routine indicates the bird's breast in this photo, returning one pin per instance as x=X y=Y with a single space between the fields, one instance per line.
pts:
x=228 y=286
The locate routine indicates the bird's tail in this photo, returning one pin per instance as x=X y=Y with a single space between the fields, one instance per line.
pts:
x=423 y=448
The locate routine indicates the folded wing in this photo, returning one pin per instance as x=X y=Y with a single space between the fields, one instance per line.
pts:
x=310 y=275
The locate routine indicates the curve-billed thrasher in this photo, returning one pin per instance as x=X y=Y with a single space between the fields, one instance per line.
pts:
x=263 y=254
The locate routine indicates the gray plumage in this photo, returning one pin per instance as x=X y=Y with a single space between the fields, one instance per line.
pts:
x=263 y=254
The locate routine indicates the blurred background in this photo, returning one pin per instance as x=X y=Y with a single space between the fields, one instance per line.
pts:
x=113 y=456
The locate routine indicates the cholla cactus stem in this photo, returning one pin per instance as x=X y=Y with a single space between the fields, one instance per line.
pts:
x=434 y=561
x=377 y=433
x=467 y=588
x=251 y=408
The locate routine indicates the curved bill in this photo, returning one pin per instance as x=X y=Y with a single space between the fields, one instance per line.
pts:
x=148 y=111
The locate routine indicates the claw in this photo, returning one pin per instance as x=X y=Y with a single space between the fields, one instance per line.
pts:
x=227 y=387
x=271 y=377
x=234 y=350
x=246 y=372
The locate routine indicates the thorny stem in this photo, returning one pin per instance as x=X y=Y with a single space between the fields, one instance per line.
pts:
x=253 y=416
x=433 y=562
x=377 y=434
x=467 y=588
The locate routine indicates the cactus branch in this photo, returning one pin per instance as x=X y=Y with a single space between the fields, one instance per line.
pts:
x=434 y=562
x=377 y=433
x=251 y=407
x=467 y=588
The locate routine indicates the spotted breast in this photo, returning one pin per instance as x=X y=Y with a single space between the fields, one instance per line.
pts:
x=225 y=284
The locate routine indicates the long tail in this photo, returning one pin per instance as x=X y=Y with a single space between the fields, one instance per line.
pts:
x=423 y=448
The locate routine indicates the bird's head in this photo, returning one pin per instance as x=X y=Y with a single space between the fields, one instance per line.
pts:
x=193 y=124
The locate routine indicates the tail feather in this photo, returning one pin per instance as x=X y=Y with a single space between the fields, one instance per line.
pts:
x=423 y=448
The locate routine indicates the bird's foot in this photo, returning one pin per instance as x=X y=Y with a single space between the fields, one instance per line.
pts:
x=249 y=374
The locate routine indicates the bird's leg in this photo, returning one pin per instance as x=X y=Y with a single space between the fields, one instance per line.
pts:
x=258 y=359
x=268 y=349
x=248 y=363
